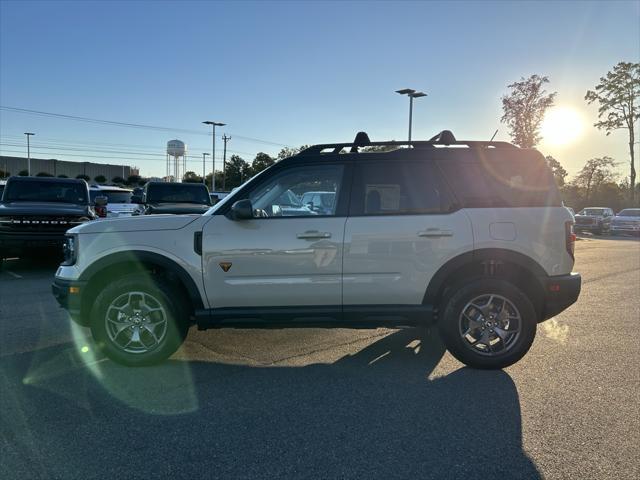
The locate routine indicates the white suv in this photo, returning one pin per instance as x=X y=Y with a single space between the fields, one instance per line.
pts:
x=471 y=235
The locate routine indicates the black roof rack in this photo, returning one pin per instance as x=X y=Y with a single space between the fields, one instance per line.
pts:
x=444 y=138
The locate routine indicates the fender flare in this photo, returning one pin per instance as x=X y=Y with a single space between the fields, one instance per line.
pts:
x=142 y=256
x=437 y=282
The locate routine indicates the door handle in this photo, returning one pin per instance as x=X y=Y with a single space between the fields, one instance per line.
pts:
x=314 y=234
x=435 y=232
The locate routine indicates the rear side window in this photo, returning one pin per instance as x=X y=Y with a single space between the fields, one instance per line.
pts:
x=399 y=188
x=501 y=182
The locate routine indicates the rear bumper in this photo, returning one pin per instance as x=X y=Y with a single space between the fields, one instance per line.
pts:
x=67 y=293
x=560 y=293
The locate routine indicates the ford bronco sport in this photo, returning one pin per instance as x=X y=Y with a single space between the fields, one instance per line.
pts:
x=470 y=235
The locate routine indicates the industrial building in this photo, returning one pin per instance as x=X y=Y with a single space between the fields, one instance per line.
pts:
x=54 y=167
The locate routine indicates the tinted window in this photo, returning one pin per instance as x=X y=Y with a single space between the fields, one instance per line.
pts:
x=177 y=193
x=289 y=192
x=501 y=181
x=396 y=188
x=593 y=212
x=113 y=196
x=629 y=212
x=35 y=191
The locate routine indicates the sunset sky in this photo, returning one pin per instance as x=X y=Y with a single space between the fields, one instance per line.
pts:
x=287 y=73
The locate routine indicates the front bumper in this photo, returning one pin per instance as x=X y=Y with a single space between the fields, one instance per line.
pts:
x=625 y=228
x=588 y=227
x=560 y=293
x=67 y=293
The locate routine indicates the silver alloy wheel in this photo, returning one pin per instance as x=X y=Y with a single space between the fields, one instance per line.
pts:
x=136 y=322
x=490 y=324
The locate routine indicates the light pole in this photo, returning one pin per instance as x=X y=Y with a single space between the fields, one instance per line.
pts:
x=412 y=94
x=213 y=148
x=225 y=139
x=204 y=176
x=28 y=134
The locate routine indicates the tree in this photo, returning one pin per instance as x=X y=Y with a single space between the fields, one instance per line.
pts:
x=100 y=178
x=558 y=170
x=118 y=180
x=594 y=174
x=287 y=152
x=83 y=177
x=23 y=173
x=62 y=175
x=43 y=174
x=4 y=174
x=524 y=108
x=238 y=170
x=617 y=95
x=261 y=162
x=133 y=180
x=191 y=177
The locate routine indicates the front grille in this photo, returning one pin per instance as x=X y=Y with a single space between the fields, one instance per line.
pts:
x=585 y=221
x=29 y=223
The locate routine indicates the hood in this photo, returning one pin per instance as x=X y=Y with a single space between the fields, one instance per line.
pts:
x=177 y=208
x=42 y=208
x=135 y=224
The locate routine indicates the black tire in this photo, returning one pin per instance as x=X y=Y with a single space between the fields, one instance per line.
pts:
x=459 y=346
x=171 y=315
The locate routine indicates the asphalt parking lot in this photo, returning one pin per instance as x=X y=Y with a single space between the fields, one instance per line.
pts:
x=326 y=403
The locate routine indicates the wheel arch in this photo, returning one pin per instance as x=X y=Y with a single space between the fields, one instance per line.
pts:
x=113 y=265
x=516 y=267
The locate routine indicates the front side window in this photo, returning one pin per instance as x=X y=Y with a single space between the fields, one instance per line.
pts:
x=399 y=188
x=299 y=191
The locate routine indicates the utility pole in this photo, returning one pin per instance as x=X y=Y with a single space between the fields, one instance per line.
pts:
x=225 y=139
x=204 y=175
x=28 y=134
x=213 y=152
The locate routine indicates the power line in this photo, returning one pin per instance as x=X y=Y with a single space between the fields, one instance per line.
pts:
x=126 y=124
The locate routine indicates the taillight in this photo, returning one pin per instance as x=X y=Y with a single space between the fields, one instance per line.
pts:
x=570 y=238
x=101 y=211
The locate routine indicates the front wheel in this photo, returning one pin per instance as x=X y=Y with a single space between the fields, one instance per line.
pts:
x=139 y=320
x=488 y=323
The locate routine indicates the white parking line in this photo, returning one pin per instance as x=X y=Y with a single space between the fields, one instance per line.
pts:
x=14 y=275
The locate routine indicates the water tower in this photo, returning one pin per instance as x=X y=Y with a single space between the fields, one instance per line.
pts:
x=176 y=159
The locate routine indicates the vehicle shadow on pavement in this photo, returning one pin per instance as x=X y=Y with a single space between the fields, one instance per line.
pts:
x=375 y=414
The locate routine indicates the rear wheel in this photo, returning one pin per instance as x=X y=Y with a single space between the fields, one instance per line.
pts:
x=488 y=323
x=139 y=320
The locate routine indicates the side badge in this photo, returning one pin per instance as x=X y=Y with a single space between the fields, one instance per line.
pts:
x=225 y=266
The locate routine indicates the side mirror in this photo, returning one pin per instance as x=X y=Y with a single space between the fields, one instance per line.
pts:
x=241 y=210
x=136 y=198
x=100 y=201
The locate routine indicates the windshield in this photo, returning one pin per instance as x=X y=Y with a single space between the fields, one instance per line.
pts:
x=592 y=212
x=630 y=212
x=178 y=193
x=40 y=191
x=113 y=196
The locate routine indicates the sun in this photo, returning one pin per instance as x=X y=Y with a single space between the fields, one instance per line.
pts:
x=561 y=126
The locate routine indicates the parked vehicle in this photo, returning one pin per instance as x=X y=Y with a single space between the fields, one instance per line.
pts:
x=594 y=219
x=2 y=184
x=217 y=196
x=473 y=237
x=626 y=221
x=35 y=213
x=174 y=198
x=118 y=200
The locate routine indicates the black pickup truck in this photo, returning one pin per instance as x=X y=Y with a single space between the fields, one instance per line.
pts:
x=35 y=213
x=175 y=198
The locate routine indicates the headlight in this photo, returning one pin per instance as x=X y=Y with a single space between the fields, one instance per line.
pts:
x=70 y=250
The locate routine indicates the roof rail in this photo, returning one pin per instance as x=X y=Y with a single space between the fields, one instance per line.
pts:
x=444 y=138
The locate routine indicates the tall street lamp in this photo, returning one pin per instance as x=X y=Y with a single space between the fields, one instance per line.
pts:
x=213 y=148
x=412 y=94
x=204 y=177
x=28 y=134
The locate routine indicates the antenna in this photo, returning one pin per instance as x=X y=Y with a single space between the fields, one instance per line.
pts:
x=494 y=135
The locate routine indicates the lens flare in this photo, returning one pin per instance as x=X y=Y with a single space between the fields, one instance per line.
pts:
x=562 y=126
